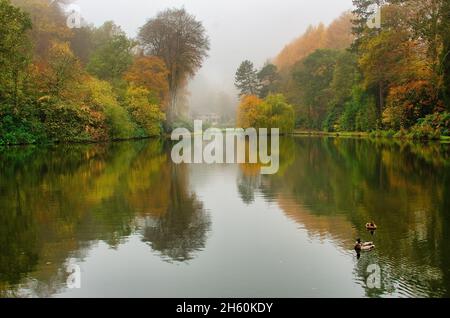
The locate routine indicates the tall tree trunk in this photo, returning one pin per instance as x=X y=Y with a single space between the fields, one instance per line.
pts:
x=446 y=73
x=445 y=26
x=380 y=102
x=173 y=93
x=16 y=91
x=173 y=106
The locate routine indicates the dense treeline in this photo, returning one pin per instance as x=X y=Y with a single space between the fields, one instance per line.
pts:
x=86 y=83
x=351 y=77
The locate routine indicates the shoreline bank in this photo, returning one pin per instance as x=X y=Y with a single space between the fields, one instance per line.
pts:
x=373 y=135
x=362 y=135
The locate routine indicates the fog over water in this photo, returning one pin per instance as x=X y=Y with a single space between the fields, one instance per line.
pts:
x=238 y=29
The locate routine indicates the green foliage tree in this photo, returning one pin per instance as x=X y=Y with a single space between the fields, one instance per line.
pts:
x=82 y=43
x=268 y=78
x=246 y=79
x=362 y=12
x=14 y=52
x=345 y=77
x=314 y=76
x=101 y=97
x=278 y=113
x=112 y=56
x=359 y=113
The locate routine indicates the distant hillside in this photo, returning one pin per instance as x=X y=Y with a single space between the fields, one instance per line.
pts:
x=338 y=35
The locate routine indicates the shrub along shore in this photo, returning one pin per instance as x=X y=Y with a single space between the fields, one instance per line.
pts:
x=361 y=134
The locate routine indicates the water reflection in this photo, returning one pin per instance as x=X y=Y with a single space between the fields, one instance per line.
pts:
x=227 y=225
x=334 y=186
x=55 y=203
x=249 y=181
x=181 y=229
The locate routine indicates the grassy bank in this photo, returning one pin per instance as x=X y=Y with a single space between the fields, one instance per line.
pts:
x=331 y=134
x=389 y=134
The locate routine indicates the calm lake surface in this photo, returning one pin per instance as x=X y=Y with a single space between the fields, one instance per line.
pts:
x=138 y=225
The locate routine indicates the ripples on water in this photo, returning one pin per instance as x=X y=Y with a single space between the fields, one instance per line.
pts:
x=139 y=225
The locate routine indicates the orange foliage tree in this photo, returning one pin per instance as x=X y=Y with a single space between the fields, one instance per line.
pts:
x=408 y=102
x=249 y=111
x=150 y=72
x=338 y=35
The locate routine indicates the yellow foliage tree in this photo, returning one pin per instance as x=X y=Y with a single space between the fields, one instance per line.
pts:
x=148 y=116
x=60 y=71
x=101 y=98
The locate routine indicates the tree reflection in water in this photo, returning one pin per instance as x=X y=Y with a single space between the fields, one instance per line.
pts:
x=181 y=230
x=335 y=185
x=56 y=202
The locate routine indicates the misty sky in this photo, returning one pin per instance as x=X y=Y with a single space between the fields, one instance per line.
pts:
x=238 y=29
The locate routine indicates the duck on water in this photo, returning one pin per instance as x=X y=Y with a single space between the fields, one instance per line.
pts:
x=363 y=246
x=371 y=226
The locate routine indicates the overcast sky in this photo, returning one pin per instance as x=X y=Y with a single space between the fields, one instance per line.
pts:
x=238 y=29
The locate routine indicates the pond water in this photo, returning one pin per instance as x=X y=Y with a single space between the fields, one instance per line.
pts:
x=137 y=225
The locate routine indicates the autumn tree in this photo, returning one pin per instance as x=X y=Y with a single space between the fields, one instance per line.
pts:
x=314 y=38
x=445 y=59
x=14 y=51
x=150 y=72
x=423 y=20
x=61 y=71
x=246 y=79
x=148 y=116
x=181 y=42
x=339 y=32
x=396 y=57
x=271 y=112
x=250 y=111
x=49 y=24
x=338 y=35
x=408 y=102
